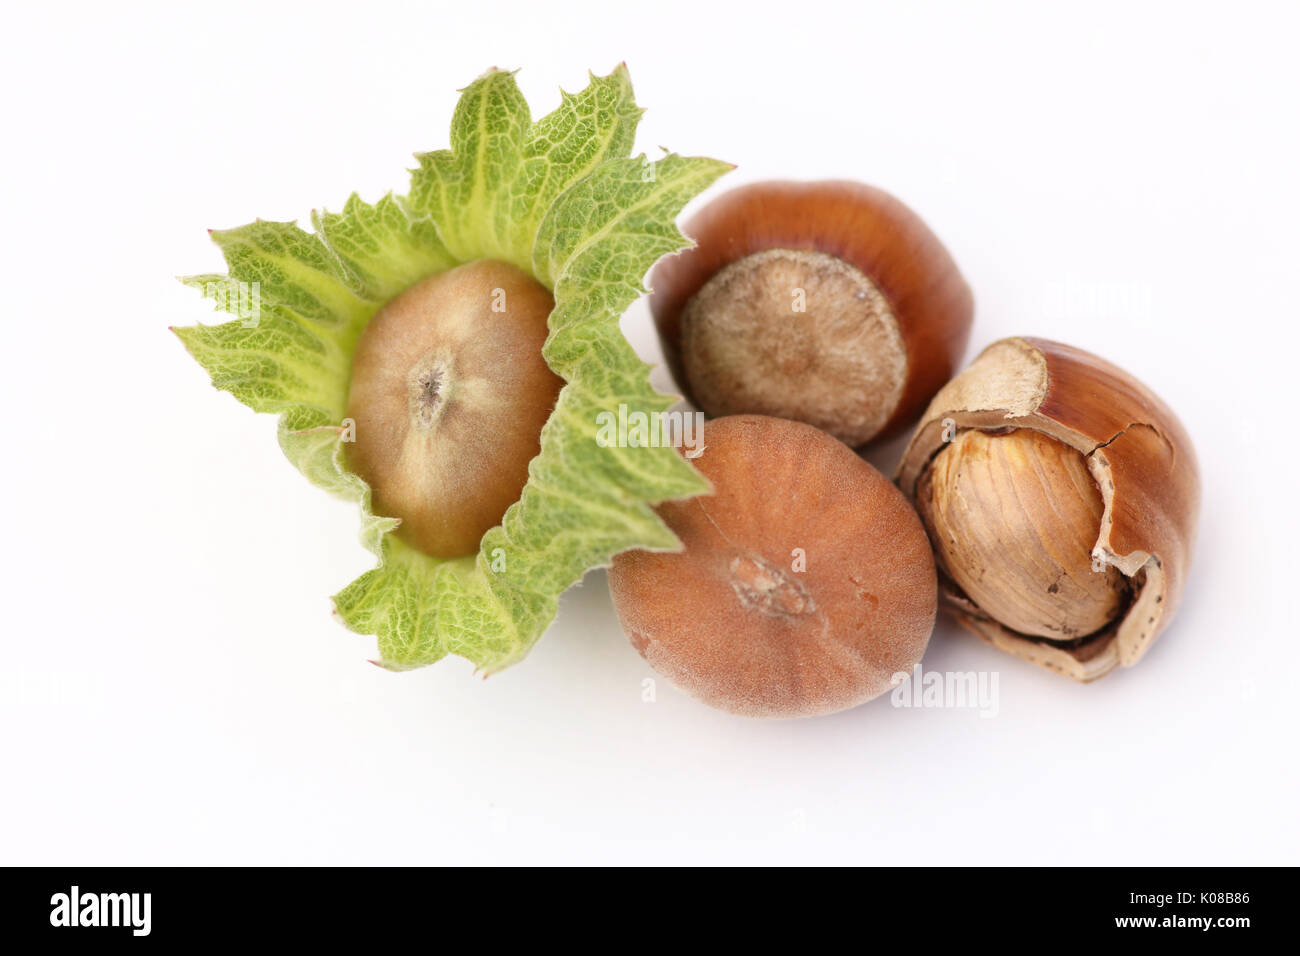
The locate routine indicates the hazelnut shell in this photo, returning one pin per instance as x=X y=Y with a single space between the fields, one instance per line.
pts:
x=735 y=622
x=860 y=224
x=1137 y=451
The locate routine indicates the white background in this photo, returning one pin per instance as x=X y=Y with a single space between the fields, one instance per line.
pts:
x=173 y=688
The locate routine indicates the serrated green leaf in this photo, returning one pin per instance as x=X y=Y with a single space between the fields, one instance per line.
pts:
x=466 y=190
x=296 y=270
x=383 y=245
x=560 y=198
x=589 y=128
x=277 y=365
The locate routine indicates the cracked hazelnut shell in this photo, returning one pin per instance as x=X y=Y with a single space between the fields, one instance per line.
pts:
x=805 y=582
x=887 y=314
x=449 y=393
x=1139 y=458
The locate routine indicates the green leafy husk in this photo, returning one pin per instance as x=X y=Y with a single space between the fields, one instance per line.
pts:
x=560 y=198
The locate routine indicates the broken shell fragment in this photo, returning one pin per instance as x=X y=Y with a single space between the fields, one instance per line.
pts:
x=1061 y=496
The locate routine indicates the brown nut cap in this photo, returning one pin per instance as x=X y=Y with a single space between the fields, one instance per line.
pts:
x=804 y=585
x=1007 y=519
x=449 y=393
x=886 y=313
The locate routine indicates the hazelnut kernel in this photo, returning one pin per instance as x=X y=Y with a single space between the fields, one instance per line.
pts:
x=1014 y=518
x=449 y=393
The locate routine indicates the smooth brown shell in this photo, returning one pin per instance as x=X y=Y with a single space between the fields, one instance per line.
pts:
x=732 y=620
x=1139 y=454
x=864 y=226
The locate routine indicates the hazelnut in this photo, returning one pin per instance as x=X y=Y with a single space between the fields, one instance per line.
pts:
x=805 y=582
x=449 y=393
x=829 y=303
x=1028 y=566
x=1061 y=496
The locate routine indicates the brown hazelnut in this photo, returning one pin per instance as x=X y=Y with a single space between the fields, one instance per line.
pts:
x=1061 y=496
x=805 y=582
x=449 y=394
x=829 y=303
